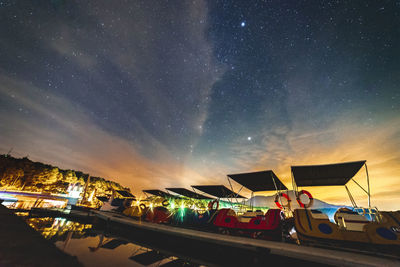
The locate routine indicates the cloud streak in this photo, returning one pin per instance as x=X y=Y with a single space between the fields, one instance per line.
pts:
x=346 y=139
x=49 y=131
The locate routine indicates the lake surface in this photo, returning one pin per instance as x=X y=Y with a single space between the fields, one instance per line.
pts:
x=93 y=247
x=100 y=244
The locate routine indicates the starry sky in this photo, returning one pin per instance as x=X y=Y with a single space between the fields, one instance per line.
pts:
x=155 y=94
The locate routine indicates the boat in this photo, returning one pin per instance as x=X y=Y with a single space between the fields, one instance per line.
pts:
x=153 y=208
x=192 y=210
x=119 y=201
x=253 y=223
x=357 y=227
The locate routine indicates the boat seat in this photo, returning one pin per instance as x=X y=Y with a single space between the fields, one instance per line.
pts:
x=350 y=220
x=231 y=212
x=248 y=215
x=319 y=215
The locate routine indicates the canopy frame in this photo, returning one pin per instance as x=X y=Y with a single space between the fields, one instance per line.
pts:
x=194 y=195
x=367 y=191
x=278 y=191
x=158 y=193
x=229 y=197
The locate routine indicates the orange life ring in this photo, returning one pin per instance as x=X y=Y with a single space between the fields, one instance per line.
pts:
x=279 y=205
x=309 y=204
x=211 y=204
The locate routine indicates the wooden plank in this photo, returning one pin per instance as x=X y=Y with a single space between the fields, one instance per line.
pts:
x=319 y=255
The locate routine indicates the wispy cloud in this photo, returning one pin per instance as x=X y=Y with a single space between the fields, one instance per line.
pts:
x=346 y=139
x=48 y=129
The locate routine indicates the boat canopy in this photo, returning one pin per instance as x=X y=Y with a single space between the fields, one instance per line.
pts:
x=259 y=181
x=187 y=193
x=125 y=193
x=326 y=175
x=159 y=193
x=219 y=191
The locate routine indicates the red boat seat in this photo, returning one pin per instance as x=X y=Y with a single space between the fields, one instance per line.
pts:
x=158 y=215
x=270 y=221
x=226 y=218
x=248 y=215
x=273 y=218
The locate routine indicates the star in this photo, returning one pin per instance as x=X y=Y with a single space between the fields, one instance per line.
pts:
x=249 y=138
x=243 y=24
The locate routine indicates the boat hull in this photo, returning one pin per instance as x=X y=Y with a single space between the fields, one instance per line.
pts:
x=384 y=234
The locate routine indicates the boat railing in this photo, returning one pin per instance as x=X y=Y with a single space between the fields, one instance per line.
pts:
x=372 y=214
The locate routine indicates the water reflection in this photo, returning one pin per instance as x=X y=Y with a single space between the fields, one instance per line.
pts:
x=93 y=247
x=56 y=229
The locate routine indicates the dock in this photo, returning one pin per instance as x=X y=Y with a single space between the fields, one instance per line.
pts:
x=22 y=246
x=268 y=249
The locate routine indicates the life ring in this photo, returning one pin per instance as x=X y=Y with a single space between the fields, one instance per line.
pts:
x=309 y=204
x=142 y=206
x=279 y=205
x=165 y=203
x=211 y=205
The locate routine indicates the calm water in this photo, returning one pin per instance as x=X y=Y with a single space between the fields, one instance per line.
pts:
x=102 y=245
x=94 y=248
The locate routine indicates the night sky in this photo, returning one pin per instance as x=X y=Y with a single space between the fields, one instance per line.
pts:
x=172 y=93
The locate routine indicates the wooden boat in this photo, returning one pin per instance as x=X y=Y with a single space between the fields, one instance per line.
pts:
x=361 y=228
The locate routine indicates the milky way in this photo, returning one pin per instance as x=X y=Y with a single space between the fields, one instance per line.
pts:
x=173 y=93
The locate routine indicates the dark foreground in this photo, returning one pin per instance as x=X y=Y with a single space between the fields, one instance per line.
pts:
x=22 y=246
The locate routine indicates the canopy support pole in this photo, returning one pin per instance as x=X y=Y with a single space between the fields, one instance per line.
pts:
x=294 y=185
x=237 y=195
x=353 y=202
x=252 y=201
x=194 y=190
x=239 y=192
x=276 y=188
x=230 y=184
x=369 y=192
x=360 y=186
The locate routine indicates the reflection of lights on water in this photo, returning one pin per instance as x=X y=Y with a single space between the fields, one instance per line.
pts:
x=59 y=226
x=59 y=222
